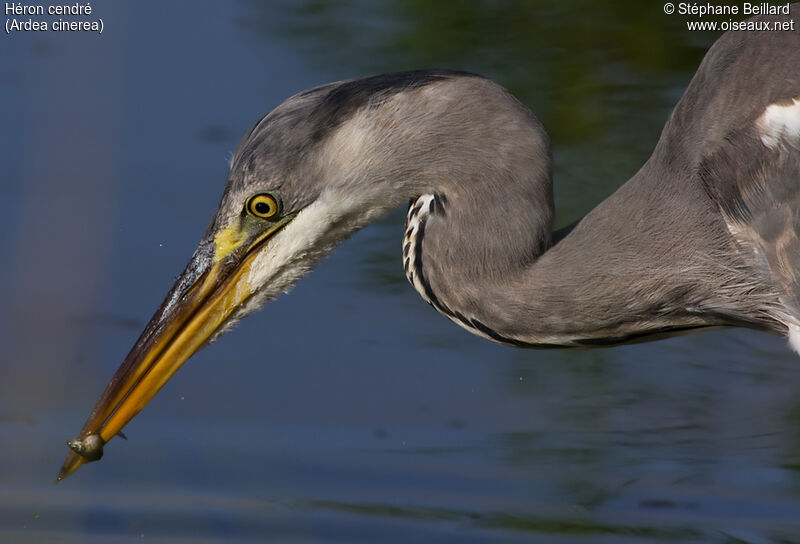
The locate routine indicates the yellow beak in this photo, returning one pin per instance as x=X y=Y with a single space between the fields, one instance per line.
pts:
x=203 y=298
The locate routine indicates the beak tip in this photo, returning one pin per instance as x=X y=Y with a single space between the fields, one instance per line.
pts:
x=71 y=464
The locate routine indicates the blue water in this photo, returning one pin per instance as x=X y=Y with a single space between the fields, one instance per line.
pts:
x=349 y=410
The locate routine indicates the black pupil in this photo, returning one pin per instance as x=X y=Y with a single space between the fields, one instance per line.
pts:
x=263 y=208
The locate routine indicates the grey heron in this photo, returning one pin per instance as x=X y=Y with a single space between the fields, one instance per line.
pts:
x=704 y=235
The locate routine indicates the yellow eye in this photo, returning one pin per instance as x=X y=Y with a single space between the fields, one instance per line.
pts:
x=264 y=205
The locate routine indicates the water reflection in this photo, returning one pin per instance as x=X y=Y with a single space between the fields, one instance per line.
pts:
x=370 y=418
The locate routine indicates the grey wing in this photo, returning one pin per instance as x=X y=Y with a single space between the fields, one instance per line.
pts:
x=754 y=177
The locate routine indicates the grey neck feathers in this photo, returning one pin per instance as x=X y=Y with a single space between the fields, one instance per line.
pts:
x=479 y=244
x=626 y=272
x=481 y=252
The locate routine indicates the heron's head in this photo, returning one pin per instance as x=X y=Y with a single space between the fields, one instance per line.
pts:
x=321 y=165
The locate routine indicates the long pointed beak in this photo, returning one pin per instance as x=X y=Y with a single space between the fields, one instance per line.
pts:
x=202 y=299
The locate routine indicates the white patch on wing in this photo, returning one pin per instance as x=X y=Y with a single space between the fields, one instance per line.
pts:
x=794 y=337
x=743 y=237
x=780 y=124
x=735 y=230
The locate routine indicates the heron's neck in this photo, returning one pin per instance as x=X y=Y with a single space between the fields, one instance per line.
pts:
x=626 y=271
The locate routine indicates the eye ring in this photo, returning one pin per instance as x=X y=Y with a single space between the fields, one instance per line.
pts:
x=264 y=205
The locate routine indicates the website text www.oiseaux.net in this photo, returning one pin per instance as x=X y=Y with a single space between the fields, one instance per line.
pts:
x=747 y=9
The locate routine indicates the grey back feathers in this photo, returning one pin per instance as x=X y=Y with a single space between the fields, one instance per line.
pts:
x=704 y=235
